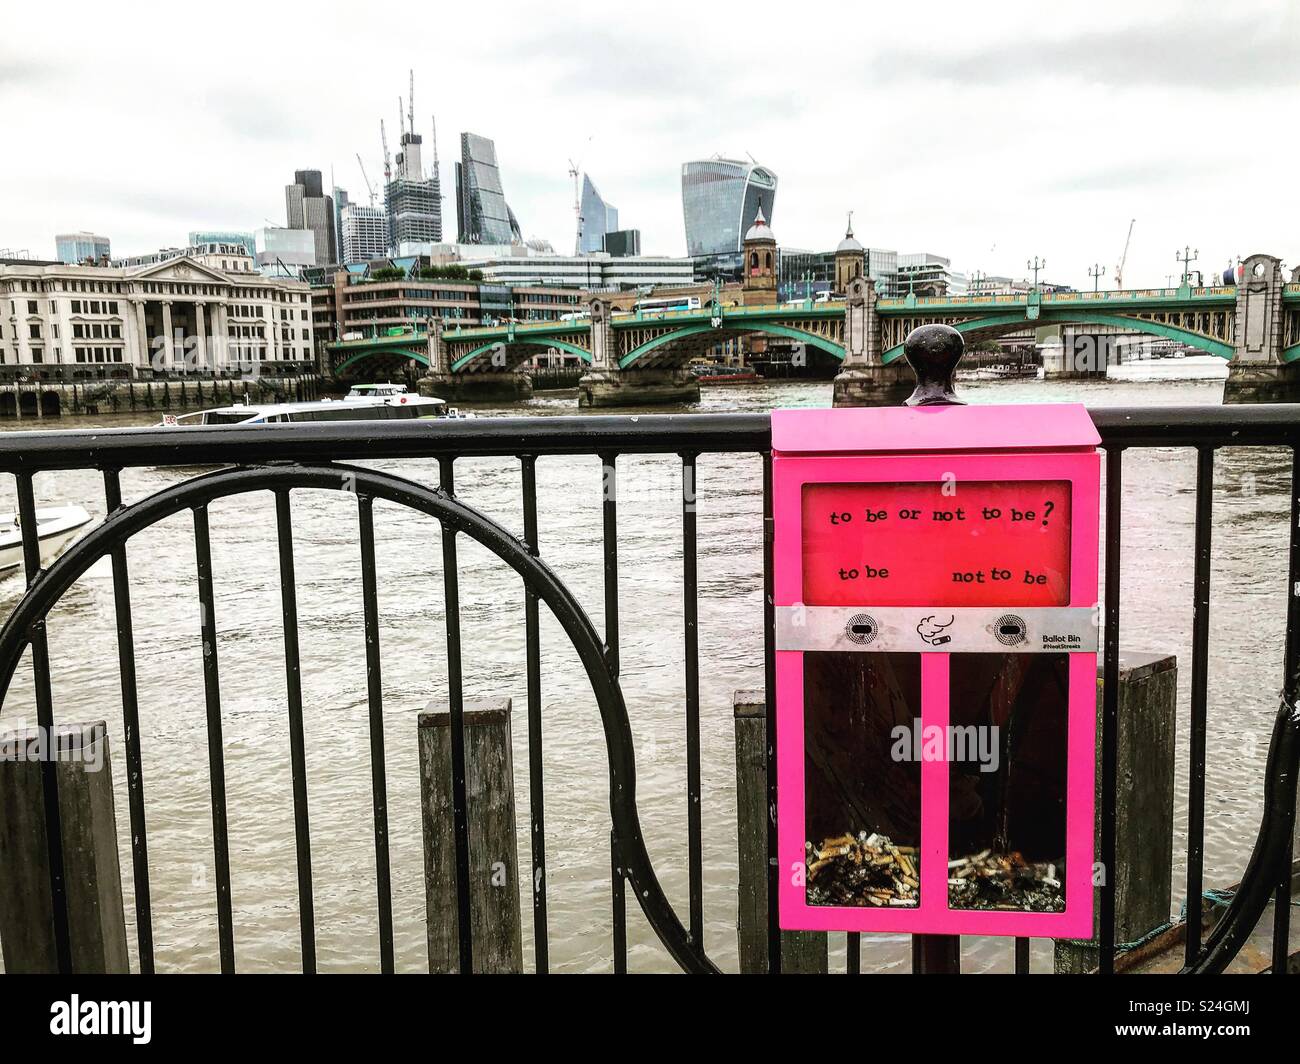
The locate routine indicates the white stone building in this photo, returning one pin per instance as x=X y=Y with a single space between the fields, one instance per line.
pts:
x=200 y=310
x=365 y=233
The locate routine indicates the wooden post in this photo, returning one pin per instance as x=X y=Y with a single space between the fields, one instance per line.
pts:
x=802 y=952
x=495 y=922
x=1144 y=810
x=92 y=876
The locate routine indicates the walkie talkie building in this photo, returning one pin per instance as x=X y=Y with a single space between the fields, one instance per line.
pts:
x=720 y=200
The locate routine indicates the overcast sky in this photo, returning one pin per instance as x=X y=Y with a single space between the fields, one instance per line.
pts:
x=989 y=133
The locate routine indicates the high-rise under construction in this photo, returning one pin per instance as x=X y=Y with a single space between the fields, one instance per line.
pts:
x=412 y=198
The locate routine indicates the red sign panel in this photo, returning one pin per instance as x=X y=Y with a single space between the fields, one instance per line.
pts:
x=938 y=543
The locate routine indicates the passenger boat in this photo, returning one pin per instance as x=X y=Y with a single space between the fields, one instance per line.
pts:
x=365 y=402
x=56 y=527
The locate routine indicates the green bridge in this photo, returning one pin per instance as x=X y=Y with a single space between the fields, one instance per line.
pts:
x=642 y=357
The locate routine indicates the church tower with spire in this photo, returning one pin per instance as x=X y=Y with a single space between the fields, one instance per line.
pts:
x=760 y=256
x=850 y=259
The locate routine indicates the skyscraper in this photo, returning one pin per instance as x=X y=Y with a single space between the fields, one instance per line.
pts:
x=484 y=216
x=598 y=217
x=365 y=233
x=307 y=207
x=340 y=201
x=413 y=199
x=720 y=200
x=622 y=243
x=74 y=248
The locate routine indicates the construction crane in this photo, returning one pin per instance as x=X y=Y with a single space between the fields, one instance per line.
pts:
x=369 y=187
x=1119 y=270
x=437 y=179
x=577 y=208
x=383 y=139
x=410 y=103
x=574 y=170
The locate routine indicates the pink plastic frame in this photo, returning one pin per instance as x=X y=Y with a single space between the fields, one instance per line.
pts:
x=932 y=915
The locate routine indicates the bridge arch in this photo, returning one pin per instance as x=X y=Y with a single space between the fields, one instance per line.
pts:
x=360 y=356
x=1000 y=324
x=562 y=345
x=732 y=329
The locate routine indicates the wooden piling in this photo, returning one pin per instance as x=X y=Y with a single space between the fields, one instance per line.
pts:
x=495 y=921
x=92 y=876
x=802 y=952
x=1144 y=809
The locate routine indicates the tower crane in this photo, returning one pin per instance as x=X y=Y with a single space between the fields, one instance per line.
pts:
x=1119 y=270
x=574 y=170
x=383 y=139
x=437 y=177
x=369 y=187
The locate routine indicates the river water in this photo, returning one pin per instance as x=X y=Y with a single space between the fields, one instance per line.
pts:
x=1248 y=617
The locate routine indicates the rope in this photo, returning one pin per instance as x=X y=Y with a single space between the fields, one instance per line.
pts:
x=1217 y=898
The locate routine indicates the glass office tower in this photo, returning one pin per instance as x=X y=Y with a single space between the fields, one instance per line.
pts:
x=720 y=199
x=481 y=207
x=598 y=217
x=74 y=248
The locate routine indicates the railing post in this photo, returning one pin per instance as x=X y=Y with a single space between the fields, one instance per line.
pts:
x=802 y=952
x=495 y=922
x=1144 y=807
x=92 y=875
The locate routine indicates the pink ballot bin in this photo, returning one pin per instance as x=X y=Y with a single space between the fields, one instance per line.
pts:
x=936 y=638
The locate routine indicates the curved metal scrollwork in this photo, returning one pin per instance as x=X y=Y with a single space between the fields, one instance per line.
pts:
x=1269 y=859
x=128 y=521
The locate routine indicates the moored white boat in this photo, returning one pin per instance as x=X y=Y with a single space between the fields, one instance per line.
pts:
x=56 y=527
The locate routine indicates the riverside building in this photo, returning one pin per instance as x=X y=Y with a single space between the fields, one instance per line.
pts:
x=194 y=310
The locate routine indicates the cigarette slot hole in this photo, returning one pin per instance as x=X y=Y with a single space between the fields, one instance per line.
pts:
x=861 y=629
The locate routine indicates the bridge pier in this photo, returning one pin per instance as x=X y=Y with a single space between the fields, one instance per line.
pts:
x=1079 y=356
x=885 y=385
x=606 y=384
x=670 y=385
x=1254 y=383
x=864 y=379
x=479 y=386
x=1257 y=372
x=504 y=387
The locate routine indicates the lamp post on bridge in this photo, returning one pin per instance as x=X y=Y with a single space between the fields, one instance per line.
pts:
x=1187 y=256
x=1096 y=271
x=1036 y=265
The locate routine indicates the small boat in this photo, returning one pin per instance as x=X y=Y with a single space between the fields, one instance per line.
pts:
x=708 y=373
x=56 y=527
x=365 y=402
x=1001 y=371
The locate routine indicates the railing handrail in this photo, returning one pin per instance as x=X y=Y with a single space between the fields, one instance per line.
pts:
x=30 y=452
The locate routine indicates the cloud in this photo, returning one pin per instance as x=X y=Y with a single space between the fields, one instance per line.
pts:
x=21 y=73
x=251 y=115
x=1231 y=52
x=1159 y=171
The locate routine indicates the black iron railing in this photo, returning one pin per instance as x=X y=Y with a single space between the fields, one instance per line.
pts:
x=282 y=459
